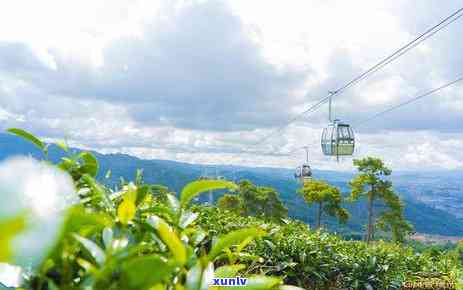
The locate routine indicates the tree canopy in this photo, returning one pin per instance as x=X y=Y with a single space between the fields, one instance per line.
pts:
x=255 y=201
x=372 y=183
x=327 y=197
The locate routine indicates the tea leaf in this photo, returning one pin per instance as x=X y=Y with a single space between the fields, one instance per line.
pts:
x=258 y=283
x=196 y=187
x=169 y=237
x=27 y=136
x=233 y=238
x=228 y=271
x=126 y=211
x=144 y=272
x=9 y=229
x=95 y=251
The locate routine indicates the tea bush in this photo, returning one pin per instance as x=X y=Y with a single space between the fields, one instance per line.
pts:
x=319 y=260
x=141 y=236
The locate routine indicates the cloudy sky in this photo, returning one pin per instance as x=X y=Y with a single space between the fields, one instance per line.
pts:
x=201 y=81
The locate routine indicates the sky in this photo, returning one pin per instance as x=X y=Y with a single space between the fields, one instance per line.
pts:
x=202 y=81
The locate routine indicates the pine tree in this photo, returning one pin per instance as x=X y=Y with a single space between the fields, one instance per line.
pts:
x=372 y=183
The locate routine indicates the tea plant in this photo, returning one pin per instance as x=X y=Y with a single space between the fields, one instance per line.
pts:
x=319 y=260
x=134 y=239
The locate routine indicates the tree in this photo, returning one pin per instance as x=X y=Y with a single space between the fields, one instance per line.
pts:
x=261 y=201
x=327 y=197
x=255 y=201
x=372 y=183
x=393 y=220
x=231 y=202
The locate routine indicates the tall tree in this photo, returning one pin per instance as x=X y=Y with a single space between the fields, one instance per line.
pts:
x=327 y=198
x=256 y=201
x=372 y=183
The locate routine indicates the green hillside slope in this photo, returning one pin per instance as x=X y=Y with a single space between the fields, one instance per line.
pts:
x=175 y=175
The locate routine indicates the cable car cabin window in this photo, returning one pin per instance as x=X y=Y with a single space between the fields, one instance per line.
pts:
x=345 y=140
x=333 y=134
x=326 y=141
x=343 y=133
x=337 y=140
x=351 y=133
x=306 y=171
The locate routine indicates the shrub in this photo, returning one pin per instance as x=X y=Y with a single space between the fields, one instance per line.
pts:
x=319 y=260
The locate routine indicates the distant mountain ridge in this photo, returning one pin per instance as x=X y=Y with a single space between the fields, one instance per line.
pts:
x=421 y=191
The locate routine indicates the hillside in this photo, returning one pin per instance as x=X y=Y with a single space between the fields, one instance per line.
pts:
x=420 y=211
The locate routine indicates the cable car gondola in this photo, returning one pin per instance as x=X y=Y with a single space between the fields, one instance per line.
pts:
x=337 y=138
x=304 y=172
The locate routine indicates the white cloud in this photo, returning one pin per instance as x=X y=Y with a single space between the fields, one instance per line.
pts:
x=6 y=116
x=200 y=81
x=77 y=29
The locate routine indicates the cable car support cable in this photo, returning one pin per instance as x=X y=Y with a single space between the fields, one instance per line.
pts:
x=433 y=91
x=387 y=60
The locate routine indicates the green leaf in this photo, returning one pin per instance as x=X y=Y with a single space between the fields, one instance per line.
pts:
x=126 y=211
x=51 y=285
x=289 y=287
x=233 y=238
x=173 y=203
x=89 y=267
x=78 y=218
x=107 y=236
x=95 y=251
x=208 y=274
x=194 y=188
x=169 y=237
x=142 y=191
x=198 y=236
x=199 y=278
x=144 y=272
x=63 y=145
x=96 y=188
x=258 y=283
x=139 y=177
x=108 y=174
x=27 y=136
x=187 y=218
x=9 y=229
x=67 y=164
x=193 y=279
x=243 y=244
x=127 y=208
x=82 y=221
x=228 y=271
x=158 y=287
x=91 y=165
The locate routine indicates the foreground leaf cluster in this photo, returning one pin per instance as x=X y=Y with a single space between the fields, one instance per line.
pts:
x=134 y=236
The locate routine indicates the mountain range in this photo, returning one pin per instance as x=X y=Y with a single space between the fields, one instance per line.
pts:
x=434 y=200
